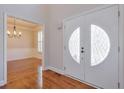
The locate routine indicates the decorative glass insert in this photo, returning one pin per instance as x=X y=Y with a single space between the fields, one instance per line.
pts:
x=74 y=45
x=100 y=45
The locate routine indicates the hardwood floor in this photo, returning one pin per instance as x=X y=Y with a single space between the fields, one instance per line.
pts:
x=25 y=74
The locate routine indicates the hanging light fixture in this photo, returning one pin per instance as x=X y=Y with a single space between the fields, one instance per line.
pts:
x=14 y=34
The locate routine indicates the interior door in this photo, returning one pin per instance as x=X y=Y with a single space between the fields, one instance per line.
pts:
x=72 y=60
x=101 y=47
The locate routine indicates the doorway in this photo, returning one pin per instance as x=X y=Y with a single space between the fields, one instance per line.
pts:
x=25 y=48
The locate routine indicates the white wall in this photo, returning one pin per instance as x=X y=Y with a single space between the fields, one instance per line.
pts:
x=35 y=13
x=57 y=14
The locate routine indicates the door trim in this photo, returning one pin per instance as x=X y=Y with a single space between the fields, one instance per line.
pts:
x=89 y=11
x=121 y=45
x=5 y=15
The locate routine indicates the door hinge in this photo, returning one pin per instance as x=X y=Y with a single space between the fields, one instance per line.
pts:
x=64 y=26
x=118 y=13
x=64 y=48
x=118 y=84
x=64 y=68
x=118 y=48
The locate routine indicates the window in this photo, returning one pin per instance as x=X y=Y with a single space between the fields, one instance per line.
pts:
x=100 y=45
x=74 y=45
x=40 y=41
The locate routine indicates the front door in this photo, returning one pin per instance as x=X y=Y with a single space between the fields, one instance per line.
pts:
x=72 y=57
x=91 y=47
x=101 y=47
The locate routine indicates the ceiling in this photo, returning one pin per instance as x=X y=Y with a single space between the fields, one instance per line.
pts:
x=22 y=23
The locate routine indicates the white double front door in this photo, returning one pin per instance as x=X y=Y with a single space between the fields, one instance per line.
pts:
x=91 y=47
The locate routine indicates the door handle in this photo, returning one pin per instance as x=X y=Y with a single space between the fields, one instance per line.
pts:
x=82 y=49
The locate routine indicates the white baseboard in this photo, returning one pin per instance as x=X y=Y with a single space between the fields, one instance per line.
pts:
x=83 y=81
x=46 y=68
x=2 y=83
x=60 y=71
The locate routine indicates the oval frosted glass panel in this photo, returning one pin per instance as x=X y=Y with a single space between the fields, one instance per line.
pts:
x=100 y=45
x=74 y=45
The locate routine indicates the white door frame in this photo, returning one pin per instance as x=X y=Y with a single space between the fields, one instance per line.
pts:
x=5 y=15
x=120 y=38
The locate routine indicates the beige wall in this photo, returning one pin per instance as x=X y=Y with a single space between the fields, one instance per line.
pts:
x=25 y=46
x=26 y=41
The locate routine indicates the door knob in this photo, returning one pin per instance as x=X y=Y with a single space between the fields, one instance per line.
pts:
x=82 y=49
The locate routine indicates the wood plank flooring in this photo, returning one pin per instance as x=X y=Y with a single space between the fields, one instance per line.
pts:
x=25 y=74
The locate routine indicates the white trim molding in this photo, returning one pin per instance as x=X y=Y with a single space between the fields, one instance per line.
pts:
x=60 y=71
x=2 y=83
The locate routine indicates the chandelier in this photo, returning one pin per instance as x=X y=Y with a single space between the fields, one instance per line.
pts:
x=14 y=34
